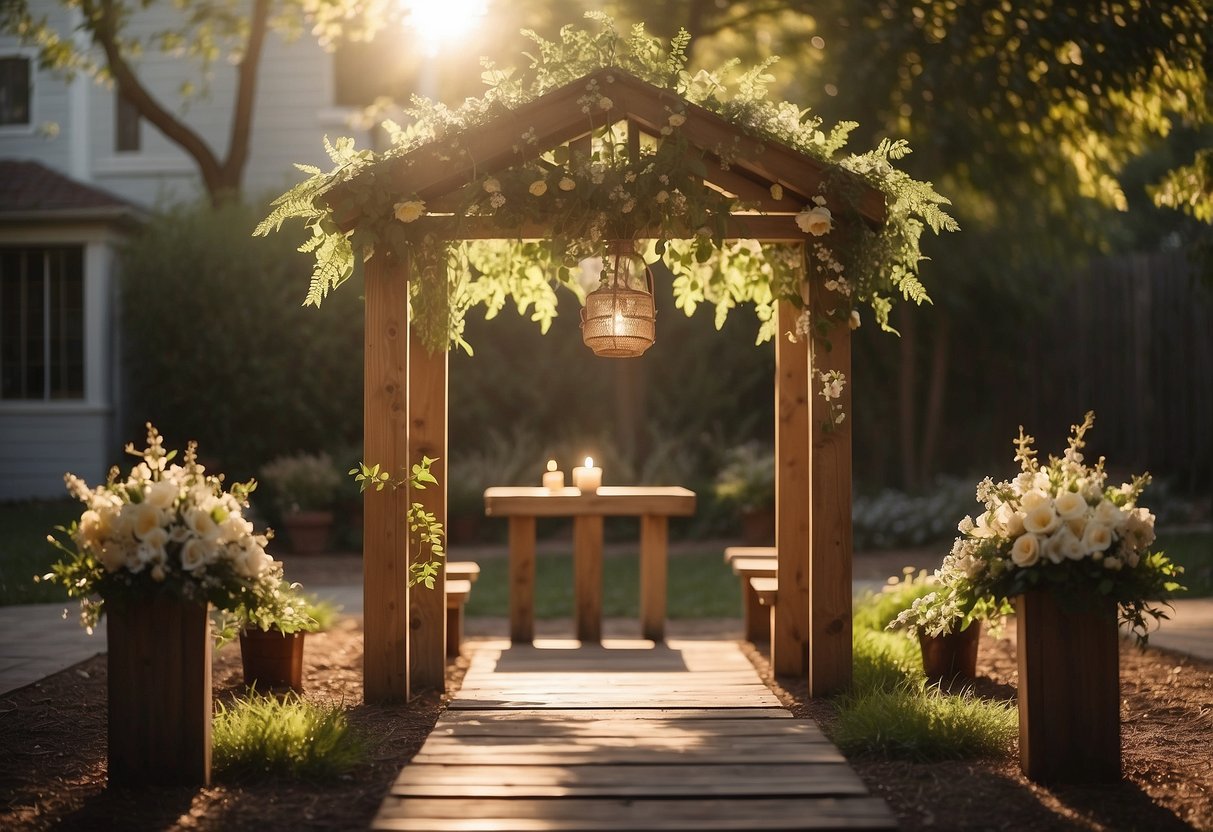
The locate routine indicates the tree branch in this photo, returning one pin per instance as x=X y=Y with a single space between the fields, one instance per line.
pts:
x=101 y=20
x=246 y=91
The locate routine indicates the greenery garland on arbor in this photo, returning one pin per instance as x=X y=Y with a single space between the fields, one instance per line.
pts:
x=612 y=195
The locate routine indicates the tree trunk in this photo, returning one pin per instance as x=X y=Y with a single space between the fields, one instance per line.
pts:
x=936 y=392
x=908 y=395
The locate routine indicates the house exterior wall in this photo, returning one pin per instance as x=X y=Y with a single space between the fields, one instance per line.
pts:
x=72 y=127
x=40 y=440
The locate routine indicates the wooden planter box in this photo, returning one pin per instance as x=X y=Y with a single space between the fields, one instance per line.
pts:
x=159 y=692
x=1069 y=691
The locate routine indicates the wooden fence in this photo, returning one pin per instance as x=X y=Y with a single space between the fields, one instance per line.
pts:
x=1133 y=340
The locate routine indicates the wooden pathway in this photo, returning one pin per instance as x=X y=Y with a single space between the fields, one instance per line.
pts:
x=624 y=736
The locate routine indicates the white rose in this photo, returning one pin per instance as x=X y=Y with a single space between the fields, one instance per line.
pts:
x=157 y=538
x=1042 y=519
x=1078 y=527
x=566 y=184
x=1007 y=521
x=143 y=517
x=1096 y=537
x=410 y=211
x=538 y=188
x=90 y=528
x=158 y=573
x=1110 y=515
x=162 y=494
x=1139 y=528
x=1033 y=498
x=777 y=191
x=677 y=120
x=1064 y=545
x=816 y=221
x=1026 y=550
x=1070 y=505
x=201 y=523
x=492 y=185
x=855 y=320
x=982 y=527
x=193 y=555
x=234 y=528
x=112 y=557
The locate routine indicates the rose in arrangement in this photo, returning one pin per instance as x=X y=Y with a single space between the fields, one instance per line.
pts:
x=1060 y=527
x=164 y=528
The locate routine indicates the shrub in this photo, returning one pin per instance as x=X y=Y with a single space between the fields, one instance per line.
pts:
x=303 y=482
x=263 y=737
x=217 y=347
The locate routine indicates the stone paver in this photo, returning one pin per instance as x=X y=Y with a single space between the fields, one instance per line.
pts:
x=37 y=640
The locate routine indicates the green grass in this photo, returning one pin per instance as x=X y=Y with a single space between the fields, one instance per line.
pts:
x=701 y=585
x=24 y=551
x=913 y=722
x=891 y=712
x=262 y=737
x=1194 y=552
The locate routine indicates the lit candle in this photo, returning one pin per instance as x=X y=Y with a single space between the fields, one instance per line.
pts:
x=587 y=477
x=553 y=479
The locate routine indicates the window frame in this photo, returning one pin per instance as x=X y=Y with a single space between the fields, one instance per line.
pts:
x=50 y=335
x=30 y=57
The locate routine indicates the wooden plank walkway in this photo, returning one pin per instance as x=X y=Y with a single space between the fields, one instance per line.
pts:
x=624 y=736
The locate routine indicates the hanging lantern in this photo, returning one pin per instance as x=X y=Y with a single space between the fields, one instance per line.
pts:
x=619 y=320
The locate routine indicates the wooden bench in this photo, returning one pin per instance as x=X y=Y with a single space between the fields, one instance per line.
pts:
x=753 y=562
x=766 y=590
x=460 y=575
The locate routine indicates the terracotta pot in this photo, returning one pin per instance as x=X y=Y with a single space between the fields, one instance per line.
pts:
x=271 y=659
x=309 y=531
x=758 y=526
x=952 y=657
x=159 y=692
x=1069 y=689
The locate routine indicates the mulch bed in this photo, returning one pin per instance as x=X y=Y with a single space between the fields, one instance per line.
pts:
x=52 y=770
x=1166 y=741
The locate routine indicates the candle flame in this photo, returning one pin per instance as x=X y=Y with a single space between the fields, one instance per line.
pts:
x=551 y=465
x=589 y=462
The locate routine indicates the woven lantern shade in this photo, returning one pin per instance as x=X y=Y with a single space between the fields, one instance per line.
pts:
x=619 y=320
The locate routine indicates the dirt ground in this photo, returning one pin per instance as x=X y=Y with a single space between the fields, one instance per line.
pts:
x=52 y=769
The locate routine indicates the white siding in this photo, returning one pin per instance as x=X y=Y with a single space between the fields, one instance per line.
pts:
x=36 y=449
x=50 y=109
x=40 y=441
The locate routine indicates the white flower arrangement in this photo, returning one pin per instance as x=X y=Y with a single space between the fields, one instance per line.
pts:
x=1058 y=526
x=164 y=528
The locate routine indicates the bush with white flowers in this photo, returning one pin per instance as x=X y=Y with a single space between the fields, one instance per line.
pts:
x=164 y=528
x=1059 y=527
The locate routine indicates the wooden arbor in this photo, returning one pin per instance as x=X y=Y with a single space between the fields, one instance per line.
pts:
x=406 y=386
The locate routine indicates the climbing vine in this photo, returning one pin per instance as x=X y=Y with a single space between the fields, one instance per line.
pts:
x=613 y=192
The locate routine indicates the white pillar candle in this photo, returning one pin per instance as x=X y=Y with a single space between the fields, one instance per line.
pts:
x=587 y=477
x=553 y=479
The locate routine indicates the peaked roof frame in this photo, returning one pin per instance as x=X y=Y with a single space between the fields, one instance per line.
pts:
x=433 y=174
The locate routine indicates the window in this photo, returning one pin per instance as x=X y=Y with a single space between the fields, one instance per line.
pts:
x=41 y=323
x=14 y=90
x=126 y=125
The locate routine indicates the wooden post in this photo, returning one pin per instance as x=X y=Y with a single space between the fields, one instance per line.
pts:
x=522 y=579
x=427 y=436
x=790 y=617
x=830 y=552
x=1069 y=690
x=385 y=567
x=587 y=577
x=654 y=545
x=159 y=692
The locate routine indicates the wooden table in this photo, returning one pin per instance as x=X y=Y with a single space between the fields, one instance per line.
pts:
x=653 y=505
